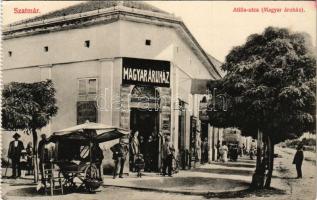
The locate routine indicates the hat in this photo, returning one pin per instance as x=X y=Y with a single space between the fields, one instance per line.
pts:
x=16 y=135
x=300 y=146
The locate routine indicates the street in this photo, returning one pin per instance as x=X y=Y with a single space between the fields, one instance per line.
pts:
x=210 y=181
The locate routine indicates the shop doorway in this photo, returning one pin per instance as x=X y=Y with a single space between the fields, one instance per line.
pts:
x=204 y=136
x=146 y=122
x=144 y=118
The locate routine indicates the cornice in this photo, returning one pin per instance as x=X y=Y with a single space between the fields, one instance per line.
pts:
x=106 y=16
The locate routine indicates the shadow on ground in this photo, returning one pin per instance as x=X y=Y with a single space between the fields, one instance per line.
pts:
x=246 y=193
x=235 y=164
x=286 y=178
x=32 y=192
x=224 y=171
x=189 y=184
x=26 y=191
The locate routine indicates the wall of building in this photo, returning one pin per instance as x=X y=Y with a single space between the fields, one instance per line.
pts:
x=133 y=36
x=68 y=59
x=166 y=44
x=65 y=79
x=63 y=46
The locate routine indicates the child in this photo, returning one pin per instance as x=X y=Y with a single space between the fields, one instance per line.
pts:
x=139 y=164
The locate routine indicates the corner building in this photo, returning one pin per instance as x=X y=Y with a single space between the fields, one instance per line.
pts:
x=126 y=64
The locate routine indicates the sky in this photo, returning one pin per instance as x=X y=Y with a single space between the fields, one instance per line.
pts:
x=213 y=23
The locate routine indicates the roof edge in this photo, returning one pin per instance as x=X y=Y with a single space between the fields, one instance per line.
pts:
x=117 y=9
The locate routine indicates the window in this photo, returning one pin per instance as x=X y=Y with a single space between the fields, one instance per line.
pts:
x=9 y=53
x=87 y=86
x=87 y=43
x=92 y=86
x=46 y=49
x=148 y=42
x=82 y=87
x=86 y=111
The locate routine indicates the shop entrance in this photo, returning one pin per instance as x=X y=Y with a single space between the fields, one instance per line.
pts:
x=144 y=118
x=204 y=136
x=147 y=124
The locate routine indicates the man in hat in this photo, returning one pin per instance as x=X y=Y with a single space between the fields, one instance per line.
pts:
x=15 y=148
x=298 y=160
x=120 y=151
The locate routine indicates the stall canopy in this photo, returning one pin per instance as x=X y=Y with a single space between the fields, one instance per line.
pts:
x=89 y=131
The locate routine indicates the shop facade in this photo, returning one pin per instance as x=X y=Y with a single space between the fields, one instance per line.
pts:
x=120 y=65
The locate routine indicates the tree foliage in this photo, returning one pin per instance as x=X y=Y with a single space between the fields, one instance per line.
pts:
x=28 y=106
x=270 y=86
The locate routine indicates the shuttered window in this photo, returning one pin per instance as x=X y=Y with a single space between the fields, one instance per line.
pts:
x=87 y=86
x=92 y=86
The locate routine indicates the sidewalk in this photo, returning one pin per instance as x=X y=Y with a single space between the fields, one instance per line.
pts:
x=206 y=179
x=308 y=155
x=285 y=176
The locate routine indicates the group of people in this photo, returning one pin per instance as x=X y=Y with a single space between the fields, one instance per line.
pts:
x=142 y=154
x=120 y=152
x=22 y=158
x=222 y=151
x=202 y=149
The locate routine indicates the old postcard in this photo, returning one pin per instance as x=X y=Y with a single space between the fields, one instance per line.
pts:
x=149 y=100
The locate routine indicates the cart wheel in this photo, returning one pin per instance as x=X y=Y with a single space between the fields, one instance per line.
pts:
x=91 y=172
x=92 y=179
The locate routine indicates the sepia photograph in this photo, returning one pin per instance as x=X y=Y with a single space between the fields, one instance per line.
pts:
x=151 y=100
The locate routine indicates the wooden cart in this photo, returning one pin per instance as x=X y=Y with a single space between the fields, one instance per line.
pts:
x=77 y=156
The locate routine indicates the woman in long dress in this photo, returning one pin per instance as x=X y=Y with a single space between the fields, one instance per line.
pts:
x=224 y=152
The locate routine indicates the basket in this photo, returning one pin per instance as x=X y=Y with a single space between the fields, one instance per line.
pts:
x=92 y=184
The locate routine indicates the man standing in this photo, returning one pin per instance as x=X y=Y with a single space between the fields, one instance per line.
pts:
x=97 y=157
x=168 y=150
x=218 y=153
x=298 y=160
x=14 y=153
x=43 y=155
x=204 y=151
x=149 y=154
x=120 y=151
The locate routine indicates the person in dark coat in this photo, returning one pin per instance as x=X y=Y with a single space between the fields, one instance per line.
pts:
x=149 y=154
x=204 y=151
x=97 y=157
x=298 y=160
x=217 y=147
x=14 y=153
x=120 y=151
x=167 y=155
x=43 y=155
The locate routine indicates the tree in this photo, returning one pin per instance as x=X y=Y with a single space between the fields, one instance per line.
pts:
x=270 y=90
x=28 y=107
